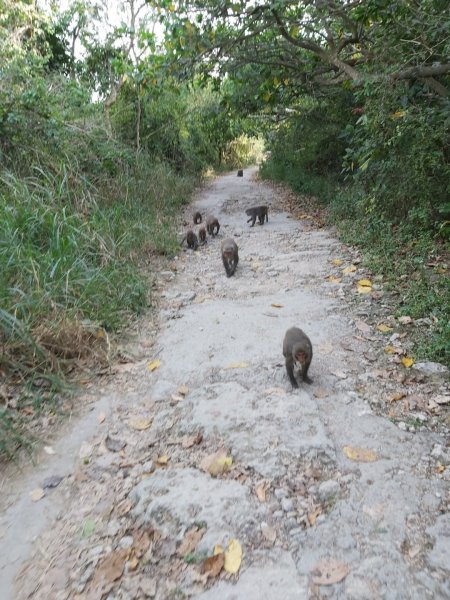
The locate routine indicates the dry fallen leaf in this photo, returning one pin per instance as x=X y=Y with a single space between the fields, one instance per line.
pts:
x=237 y=365
x=384 y=328
x=192 y=440
x=49 y=450
x=37 y=494
x=101 y=418
x=132 y=564
x=213 y=564
x=261 y=492
x=276 y=305
x=396 y=397
x=312 y=516
x=140 y=424
x=155 y=364
x=362 y=326
x=364 y=286
x=177 y=397
x=392 y=350
x=348 y=270
x=163 y=460
x=216 y=463
x=333 y=279
x=183 y=390
x=407 y=361
x=321 y=393
x=337 y=262
x=329 y=571
x=109 y=569
x=360 y=454
x=233 y=557
x=190 y=541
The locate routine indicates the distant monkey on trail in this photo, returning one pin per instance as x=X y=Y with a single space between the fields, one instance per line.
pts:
x=191 y=240
x=212 y=226
x=297 y=351
x=240 y=173
x=262 y=212
x=202 y=236
x=197 y=218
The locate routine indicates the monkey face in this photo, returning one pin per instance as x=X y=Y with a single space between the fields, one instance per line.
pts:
x=300 y=358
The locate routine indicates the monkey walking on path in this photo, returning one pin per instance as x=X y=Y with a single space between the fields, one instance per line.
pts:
x=212 y=226
x=230 y=256
x=191 y=240
x=297 y=351
x=197 y=218
x=262 y=212
x=202 y=236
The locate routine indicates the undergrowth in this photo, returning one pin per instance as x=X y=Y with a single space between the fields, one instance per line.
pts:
x=77 y=225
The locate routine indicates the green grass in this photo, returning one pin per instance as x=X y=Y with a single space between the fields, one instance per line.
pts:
x=78 y=233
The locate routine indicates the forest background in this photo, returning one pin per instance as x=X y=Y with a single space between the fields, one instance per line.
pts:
x=112 y=113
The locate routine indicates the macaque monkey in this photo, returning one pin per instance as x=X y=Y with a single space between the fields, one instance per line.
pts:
x=262 y=212
x=230 y=257
x=202 y=236
x=197 y=218
x=191 y=240
x=212 y=224
x=240 y=173
x=297 y=350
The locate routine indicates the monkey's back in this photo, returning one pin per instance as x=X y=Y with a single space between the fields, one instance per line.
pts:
x=296 y=338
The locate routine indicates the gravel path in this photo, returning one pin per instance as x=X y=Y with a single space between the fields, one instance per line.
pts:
x=326 y=498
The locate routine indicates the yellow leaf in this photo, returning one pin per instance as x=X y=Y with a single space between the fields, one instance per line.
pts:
x=360 y=454
x=233 y=557
x=407 y=361
x=350 y=269
x=333 y=279
x=183 y=390
x=241 y=365
x=365 y=282
x=216 y=463
x=384 y=328
x=154 y=365
x=392 y=350
x=217 y=549
x=163 y=460
x=140 y=424
x=364 y=289
x=276 y=305
x=337 y=262
x=286 y=81
x=399 y=114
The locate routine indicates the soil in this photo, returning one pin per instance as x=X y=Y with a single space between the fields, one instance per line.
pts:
x=338 y=489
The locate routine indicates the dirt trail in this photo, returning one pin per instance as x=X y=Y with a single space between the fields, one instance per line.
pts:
x=377 y=526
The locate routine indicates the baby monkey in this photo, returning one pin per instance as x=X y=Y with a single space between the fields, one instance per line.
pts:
x=297 y=351
x=191 y=240
x=262 y=212
x=230 y=256
x=240 y=173
x=197 y=218
x=212 y=226
x=202 y=236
